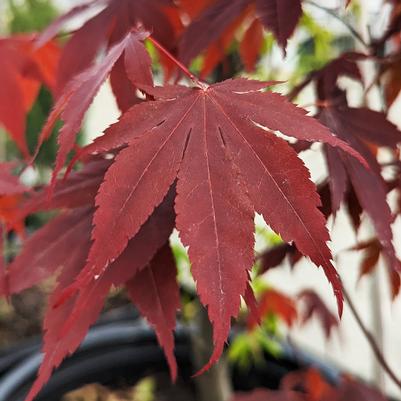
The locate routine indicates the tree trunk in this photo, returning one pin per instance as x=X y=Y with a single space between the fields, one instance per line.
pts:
x=215 y=384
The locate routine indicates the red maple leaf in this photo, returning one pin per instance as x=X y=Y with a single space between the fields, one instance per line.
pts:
x=362 y=128
x=227 y=168
x=78 y=95
x=72 y=229
x=107 y=27
x=217 y=20
x=23 y=70
x=373 y=250
x=314 y=306
x=273 y=302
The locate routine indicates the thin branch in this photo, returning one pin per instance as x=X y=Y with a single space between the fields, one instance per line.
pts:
x=181 y=66
x=371 y=340
x=345 y=23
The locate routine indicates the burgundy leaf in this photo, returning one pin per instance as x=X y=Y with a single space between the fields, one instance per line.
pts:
x=195 y=134
x=66 y=323
x=314 y=306
x=61 y=243
x=77 y=97
x=280 y=17
x=155 y=292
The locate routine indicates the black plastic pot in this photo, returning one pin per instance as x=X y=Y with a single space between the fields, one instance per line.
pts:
x=124 y=350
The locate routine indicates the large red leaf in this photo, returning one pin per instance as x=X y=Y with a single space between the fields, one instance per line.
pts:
x=228 y=167
x=67 y=323
x=155 y=292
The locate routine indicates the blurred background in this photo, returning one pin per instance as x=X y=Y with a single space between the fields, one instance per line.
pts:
x=320 y=39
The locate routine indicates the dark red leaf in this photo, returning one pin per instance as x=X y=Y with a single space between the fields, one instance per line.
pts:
x=209 y=26
x=368 y=185
x=353 y=390
x=62 y=243
x=273 y=257
x=155 y=292
x=275 y=303
x=315 y=306
x=252 y=304
x=115 y=19
x=79 y=189
x=66 y=325
x=280 y=17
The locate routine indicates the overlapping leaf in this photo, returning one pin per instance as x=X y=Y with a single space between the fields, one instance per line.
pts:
x=362 y=128
x=373 y=250
x=115 y=19
x=314 y=306
x=278 y=16
x=273 y=302
x=23 y=70
x=79 y=93
x=155 y=292
x=66 y=324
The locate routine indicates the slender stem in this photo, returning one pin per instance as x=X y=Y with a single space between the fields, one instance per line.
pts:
x=345 y=23
x=181 y=66
x=371 y=340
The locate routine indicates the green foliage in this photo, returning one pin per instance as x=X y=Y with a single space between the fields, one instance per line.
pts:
x=248 y=348
x=31 y=15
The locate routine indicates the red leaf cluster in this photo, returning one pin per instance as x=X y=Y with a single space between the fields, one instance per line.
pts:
x=201 y=158
x=24 y=68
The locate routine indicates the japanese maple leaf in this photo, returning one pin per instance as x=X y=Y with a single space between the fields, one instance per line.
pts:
x=107 y=27
x=140 y=261
x=362 y=128
x=77 y=190
x=78 y=95
x=373 y=250
x=275 y=303
x=211 y=139
x=23 y=70
x=314 y=306
x=278 y=16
